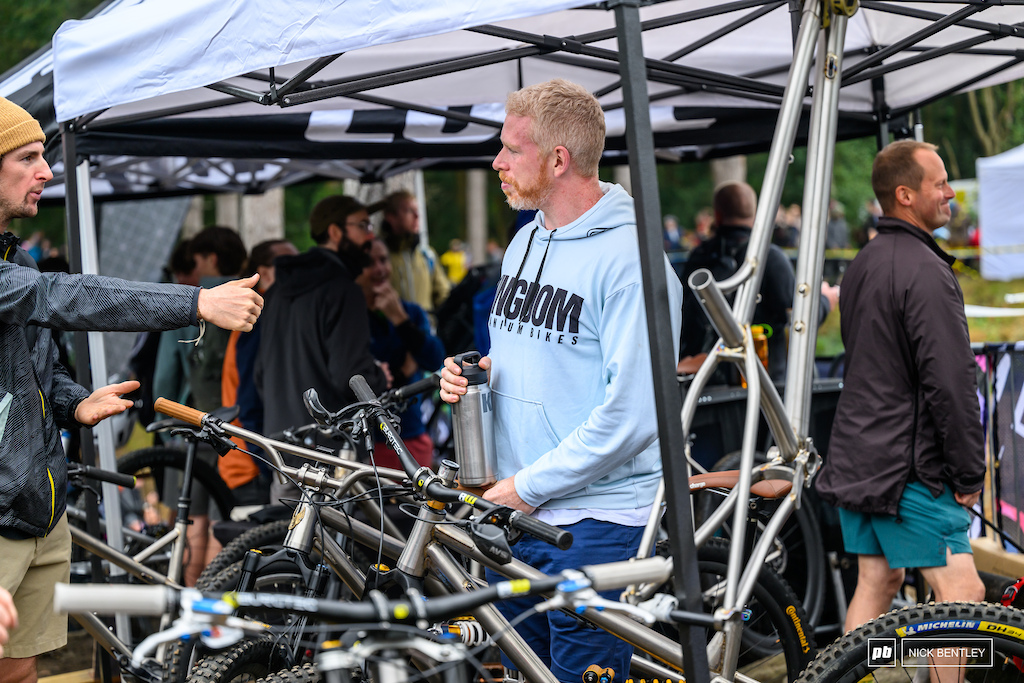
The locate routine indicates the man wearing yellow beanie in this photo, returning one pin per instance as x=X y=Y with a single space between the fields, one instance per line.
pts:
x=38 y=396
x=21 y=159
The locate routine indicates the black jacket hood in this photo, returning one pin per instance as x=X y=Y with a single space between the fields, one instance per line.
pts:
x=298 y=275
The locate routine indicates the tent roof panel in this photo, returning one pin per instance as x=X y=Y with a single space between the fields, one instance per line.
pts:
x=182 y=44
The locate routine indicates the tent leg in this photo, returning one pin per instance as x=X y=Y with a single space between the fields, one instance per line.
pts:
x=85 y=254
x=821 y=142
x=644 y=180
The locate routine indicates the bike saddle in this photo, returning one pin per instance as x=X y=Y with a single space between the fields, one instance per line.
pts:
x=765 y=488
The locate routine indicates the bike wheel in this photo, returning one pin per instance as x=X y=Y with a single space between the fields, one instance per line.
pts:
x=186 y=654
x=245 y=662
x=162 y=464
x=797 y=554
x=306 y=673
x=264 y=537
x=776 y=623
x=945 y=625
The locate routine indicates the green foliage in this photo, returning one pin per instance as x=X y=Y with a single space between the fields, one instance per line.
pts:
x=299 y=201
x=27 y=26
x=993 y=123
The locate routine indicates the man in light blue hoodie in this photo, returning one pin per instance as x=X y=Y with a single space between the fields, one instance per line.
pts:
x=575 y=425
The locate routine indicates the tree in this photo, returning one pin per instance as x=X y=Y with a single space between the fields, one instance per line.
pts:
x=28 y=26
x=994 y=115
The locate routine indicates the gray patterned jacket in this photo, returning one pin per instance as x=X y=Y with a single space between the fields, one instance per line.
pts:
x=37 y=395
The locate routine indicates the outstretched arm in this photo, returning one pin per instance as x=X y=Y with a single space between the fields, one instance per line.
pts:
x=233 y=305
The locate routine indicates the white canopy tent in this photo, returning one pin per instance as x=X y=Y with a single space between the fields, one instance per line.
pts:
x=722 y=66
x=1001 y=215
x=415 y=79
x=367 y=79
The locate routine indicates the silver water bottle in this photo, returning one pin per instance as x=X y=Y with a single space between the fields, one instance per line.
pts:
x=473 y=425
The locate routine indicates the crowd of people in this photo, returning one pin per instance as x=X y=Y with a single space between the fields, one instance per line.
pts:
x=575 y=429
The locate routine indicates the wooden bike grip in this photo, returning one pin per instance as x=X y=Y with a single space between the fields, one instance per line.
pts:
x=179 y=412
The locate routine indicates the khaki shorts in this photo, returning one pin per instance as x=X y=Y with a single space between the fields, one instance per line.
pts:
x=30 y=569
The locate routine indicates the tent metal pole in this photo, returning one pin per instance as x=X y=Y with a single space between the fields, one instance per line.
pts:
x=82 y=352
x=103 y=431
x=803 y=335
x=929 y=30
x=644 y=176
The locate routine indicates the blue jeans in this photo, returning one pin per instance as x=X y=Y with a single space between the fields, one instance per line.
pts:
x=564 y=644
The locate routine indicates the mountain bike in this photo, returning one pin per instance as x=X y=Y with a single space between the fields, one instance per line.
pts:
x=379 y=634
x=951 y=641
x=430 y=557
x=159 y=552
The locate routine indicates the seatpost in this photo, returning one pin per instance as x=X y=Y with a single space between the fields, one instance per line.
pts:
x=184 y=498
x=181 y=521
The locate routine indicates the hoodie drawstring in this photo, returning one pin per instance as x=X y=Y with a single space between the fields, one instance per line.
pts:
x=531 y=291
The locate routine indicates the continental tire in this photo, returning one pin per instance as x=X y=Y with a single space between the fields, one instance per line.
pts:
x=946 y=623
x=245 y=662
x=798 y=554
x=776 y=622
x=265 y=536
x=306 y=673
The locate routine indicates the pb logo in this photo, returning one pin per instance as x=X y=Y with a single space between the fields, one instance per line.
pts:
x=881 y=652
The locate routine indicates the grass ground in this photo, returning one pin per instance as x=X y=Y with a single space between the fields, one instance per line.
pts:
x=977 y=292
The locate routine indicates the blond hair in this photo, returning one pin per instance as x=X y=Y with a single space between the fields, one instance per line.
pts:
x=563 y=114
x=897 y=165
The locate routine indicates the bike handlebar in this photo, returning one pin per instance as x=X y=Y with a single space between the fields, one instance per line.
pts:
x=430 y=383
x=553 y=535
x=154 y=600
x=109 y=599
x=126 y=480
x=178 y=411
x=365 y=394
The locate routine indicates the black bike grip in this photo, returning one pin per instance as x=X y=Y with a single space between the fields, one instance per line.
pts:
x=429 y=383
x=361 y=389
x=126 y=480
x=560 y=538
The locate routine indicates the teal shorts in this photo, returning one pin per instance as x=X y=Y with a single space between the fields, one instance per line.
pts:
x=917 y=536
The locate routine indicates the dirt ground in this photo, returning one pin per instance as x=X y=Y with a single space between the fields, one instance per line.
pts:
x=75 y=656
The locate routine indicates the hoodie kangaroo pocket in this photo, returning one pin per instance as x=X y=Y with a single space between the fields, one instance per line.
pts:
x=523 y=433
x=5 y=410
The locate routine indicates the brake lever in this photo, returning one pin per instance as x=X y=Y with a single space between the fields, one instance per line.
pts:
x=499 y=516
x=577 y=593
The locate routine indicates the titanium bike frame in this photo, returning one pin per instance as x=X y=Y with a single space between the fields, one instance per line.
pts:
x=796 y=458
x=429 y=556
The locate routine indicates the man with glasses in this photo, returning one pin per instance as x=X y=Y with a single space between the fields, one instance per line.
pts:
x=315 y=330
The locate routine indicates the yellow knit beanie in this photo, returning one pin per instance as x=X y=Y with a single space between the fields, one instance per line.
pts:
x=17 y=127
